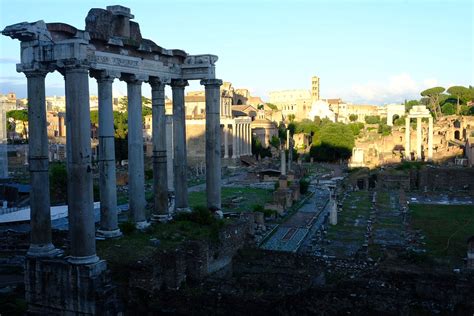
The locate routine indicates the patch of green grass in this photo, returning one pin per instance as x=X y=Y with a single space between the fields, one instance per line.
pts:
x=447 y=228
x=250 y=198
x=137 y=245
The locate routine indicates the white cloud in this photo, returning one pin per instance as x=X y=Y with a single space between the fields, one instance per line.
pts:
x=394 y=89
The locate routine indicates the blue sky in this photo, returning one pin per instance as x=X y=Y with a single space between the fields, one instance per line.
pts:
x=364 y=51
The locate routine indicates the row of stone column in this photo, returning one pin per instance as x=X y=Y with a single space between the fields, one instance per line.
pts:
x=241 y=140
x=418 y=138
x=80 y=193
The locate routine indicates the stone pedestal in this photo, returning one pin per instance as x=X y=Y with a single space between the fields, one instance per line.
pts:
x=56 y=287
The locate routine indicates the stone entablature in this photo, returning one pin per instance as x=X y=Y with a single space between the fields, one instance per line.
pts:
x=51 y=46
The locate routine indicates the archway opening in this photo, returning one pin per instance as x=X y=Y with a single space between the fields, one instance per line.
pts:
x=457 y=135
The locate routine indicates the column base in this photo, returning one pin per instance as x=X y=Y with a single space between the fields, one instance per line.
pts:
x=142 y=225
x=109 y=233
x=43 y=251
x=160 y=218
x=182 y=210
x=83 y=260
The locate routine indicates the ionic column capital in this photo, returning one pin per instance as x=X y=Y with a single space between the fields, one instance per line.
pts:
x=211 y=82
x=179 y=83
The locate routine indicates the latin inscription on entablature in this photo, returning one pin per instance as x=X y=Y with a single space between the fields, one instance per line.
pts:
x=115 y=61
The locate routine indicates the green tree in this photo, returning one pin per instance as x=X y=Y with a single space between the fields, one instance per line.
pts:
x=356 y=128
x=22 y=116
x=384 y=129
x=291 y=117
x=95 y=117
x=399 y=121
x=58 y=183
x=372 y=119
x=336 y=142
x=275 y=142
x=433 y=94
x=460 y=93
x=410 y=104
x=353 y=117
x=449 y=109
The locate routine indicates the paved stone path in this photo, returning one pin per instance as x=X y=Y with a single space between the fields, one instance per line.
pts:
x=292 y=234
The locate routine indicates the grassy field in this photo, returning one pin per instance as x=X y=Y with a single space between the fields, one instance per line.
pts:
x=356 y=207
x=249 y=198
x=447 y=228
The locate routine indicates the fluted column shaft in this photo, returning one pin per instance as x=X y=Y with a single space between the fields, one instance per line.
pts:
x=41 y=244
x=213 y=143
x=430 y=138
x=160 y=176
x=107 y=177
x=234 y=140
x=180 y=153
x=418 y=138
x=136 y=172
x=249 y=139
x=226 y=141
x=80 y=196
x=407 y=139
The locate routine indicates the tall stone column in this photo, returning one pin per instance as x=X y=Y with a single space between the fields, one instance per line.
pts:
x=430 y=138
x=283 y=162
x=250 y=139
x=136 y=172
x=234 y=141
x=418 y=138
x=226 y=141
x=169 y=152
x=80 y=196
x=407 y=138
x=247 y=138
x=41 y=245
x=240 y=129
x=160 y=177
x=107 y=177
x=213 y=143
x=180 y=156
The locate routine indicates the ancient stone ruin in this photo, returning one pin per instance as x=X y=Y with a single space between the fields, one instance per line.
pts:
x=111 y=47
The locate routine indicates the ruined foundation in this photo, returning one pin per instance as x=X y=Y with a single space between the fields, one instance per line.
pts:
x=54 y=286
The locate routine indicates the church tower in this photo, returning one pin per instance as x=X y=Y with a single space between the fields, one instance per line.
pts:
x=314 y=88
